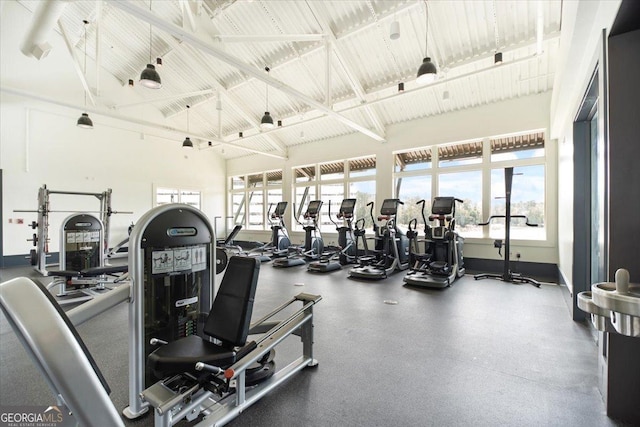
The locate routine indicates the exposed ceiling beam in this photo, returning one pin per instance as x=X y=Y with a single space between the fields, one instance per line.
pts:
x=128 y=119
x=198 y=43
x=383 y=94
x=76 y=65
x=165 y=98
x=268 y=38
x=188 y=16
x=342 y=56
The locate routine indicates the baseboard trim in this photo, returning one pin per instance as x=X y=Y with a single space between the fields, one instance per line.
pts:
x=544 y=272
x=24 y=260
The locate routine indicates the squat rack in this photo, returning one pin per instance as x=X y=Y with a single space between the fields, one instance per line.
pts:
x=40 y=239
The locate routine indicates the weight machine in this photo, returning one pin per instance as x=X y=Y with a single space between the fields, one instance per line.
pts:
x=38 y=255
x=174 y=368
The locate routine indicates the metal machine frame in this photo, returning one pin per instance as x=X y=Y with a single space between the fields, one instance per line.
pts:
x=76 y=381
x=88 y=286
x=41 y=238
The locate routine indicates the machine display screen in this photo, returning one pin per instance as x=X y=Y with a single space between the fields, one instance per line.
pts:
x=314 y=207
x=442 y=206
x=280 y=208
x=389 y=207
x=348 y=206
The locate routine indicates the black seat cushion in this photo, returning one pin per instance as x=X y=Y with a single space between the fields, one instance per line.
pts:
x=230 y=315
x=107 y=269
x=182 y=355
x=63 y=273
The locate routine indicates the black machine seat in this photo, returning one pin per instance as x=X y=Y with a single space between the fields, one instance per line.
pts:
x=90 y=272
x=228 y=322
x=182 y=355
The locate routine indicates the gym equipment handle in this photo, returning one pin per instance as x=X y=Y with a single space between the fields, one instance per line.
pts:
x=228 y=373
x=512 y=216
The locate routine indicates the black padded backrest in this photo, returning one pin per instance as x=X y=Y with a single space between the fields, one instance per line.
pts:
x=233 y=234
x=230 y=314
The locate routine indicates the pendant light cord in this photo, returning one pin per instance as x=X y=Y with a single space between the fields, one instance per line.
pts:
x=267 y=70
x=188 y=119
x=150 y=39
x=426 y=33
x=495 y=25
x=84 y=71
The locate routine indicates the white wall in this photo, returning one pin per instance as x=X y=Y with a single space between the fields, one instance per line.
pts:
x=40 y=144
x=509 y=116
x=582 y=24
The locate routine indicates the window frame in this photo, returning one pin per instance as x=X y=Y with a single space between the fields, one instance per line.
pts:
x=485 y=166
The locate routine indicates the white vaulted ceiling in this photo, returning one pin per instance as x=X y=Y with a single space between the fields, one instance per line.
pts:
x=217 y=49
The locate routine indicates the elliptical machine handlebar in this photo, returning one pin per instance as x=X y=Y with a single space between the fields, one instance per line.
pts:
x=422 y=202
x=373 y=220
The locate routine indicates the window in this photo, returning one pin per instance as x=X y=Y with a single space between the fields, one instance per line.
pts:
x=333 y=182
x=173 y=195
x=411 y=190
x=330 y=194
x=303 y=195
x=525 y=152
x=413 y=160
x=466 y=153
x=517 y=147
x=274 y=190
x=251 y=196
x=468 y=187
x=365 y=166
x=460 y=171
x=527 y=198
x=334 y=170
x=364 y=192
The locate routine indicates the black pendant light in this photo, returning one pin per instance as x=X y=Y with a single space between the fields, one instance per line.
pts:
x=427 y=71
x=267 y=120
x=149 y=77
x=84 y=121
x=187 y=141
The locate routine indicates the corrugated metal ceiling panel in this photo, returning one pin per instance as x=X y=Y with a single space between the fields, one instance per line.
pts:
x=462 y=39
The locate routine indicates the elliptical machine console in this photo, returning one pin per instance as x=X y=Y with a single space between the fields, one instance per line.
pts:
x=443 y=261
x=391 y=251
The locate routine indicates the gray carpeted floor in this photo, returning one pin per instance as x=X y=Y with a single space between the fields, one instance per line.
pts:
x=481 y=353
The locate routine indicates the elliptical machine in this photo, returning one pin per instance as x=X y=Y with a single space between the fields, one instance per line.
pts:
x=391 y=251
x=347 y=243
x=442 y=262
x=313 y=244
x=280 y=242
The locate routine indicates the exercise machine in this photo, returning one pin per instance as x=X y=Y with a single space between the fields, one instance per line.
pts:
x=391 y=251
x=40 y=239
x=347 y=252
x=203 y=381
x=280 y=242
x=313 y=245
x=83 y=274
x=507 y=275
x=442 y=261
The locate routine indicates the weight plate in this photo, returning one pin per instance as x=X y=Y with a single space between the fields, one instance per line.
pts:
x=221 y=260
x=33 y=257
